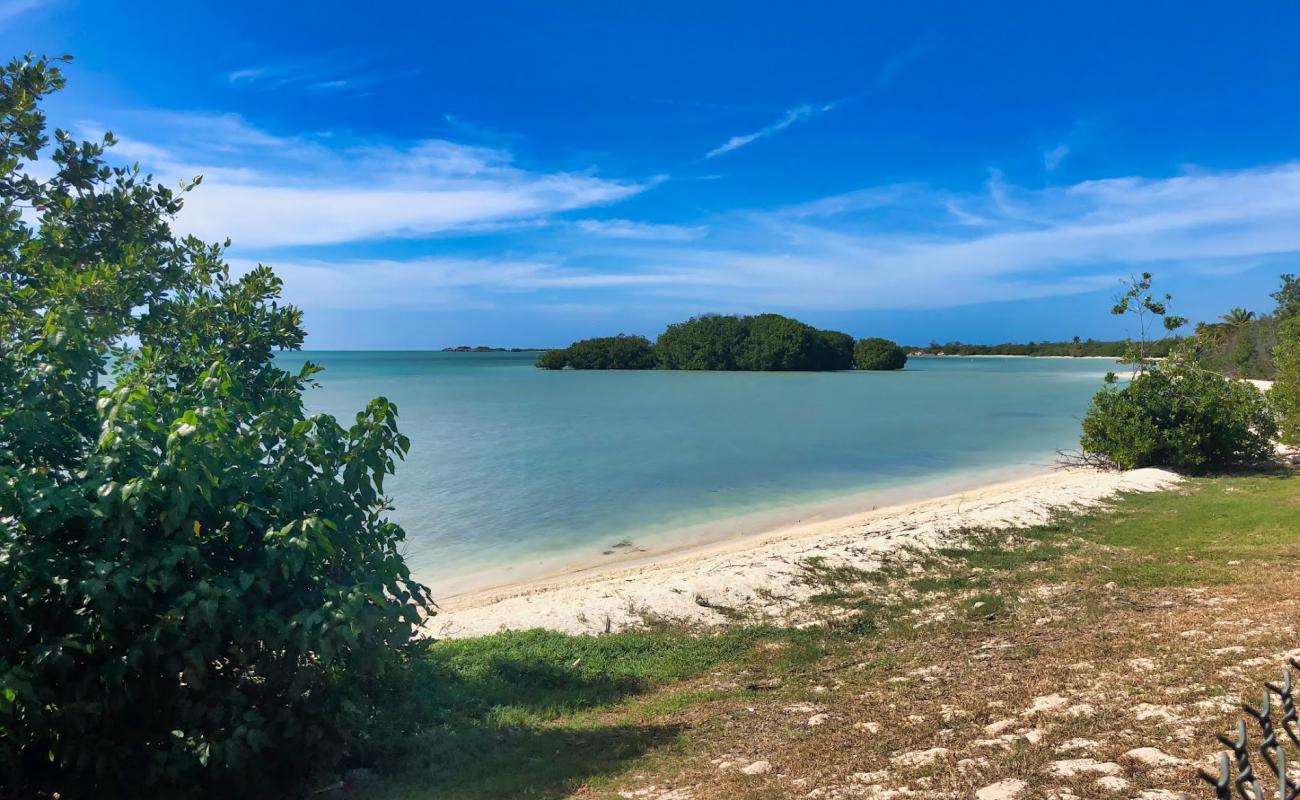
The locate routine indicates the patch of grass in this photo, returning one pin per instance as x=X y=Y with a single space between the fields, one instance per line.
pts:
x=949 y=583
x=1188 y=537
x=983 y=606
x=836 y=577
x=521 y=714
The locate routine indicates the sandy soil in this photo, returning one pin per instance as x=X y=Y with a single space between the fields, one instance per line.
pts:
x=766 y=576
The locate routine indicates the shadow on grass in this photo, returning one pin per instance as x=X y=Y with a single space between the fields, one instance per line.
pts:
x=517 y=714
x=487 y=761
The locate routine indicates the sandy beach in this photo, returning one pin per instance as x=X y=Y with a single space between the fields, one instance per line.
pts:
x=764 y=574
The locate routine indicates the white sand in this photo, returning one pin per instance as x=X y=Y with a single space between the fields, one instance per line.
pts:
x=762 y=574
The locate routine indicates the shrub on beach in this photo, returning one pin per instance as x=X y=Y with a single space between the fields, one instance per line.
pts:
x=876 y=353
x=1174 y=412
x=1285 y=394
x=607 y=352
x=197 y=579
x=1178 y=415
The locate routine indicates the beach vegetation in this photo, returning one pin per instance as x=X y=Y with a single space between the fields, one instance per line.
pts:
x=1173 y=412
x=199 y=587
x=1074 y=348
x=606 y=352
x=876 y=353
x=1285 y=394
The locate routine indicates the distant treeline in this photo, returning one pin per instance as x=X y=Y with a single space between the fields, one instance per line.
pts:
x=766 y=342
x=1078 y=348
x=464 y=348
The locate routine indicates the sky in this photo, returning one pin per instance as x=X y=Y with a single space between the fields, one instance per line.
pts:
x=525 y=174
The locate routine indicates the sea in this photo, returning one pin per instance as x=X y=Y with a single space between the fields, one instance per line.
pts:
x=517 y=473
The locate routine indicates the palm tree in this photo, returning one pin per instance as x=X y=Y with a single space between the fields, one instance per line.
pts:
x=1237 y=317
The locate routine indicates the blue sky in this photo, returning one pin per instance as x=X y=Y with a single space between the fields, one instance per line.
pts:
x=522 y=173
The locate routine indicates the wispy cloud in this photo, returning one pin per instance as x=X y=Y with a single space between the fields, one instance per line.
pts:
x=790 y=117
x=901 y=247
x=629 y=229
x=888 y=72
x=9 y=9
x=334 y=74
x=1058 y=152
x=895 y=64
x=264 y=190
x=1053 y=157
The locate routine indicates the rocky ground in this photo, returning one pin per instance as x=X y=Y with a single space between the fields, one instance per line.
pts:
x=1076 y=688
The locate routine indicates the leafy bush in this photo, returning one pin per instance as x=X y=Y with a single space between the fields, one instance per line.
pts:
x=1285 y=394
x=197 y=580
x=1174 y=413
x=878 y=354
x=608 y=352
x=1181 y=416
x=766 y=342
x=709 y=342
x=837 y=349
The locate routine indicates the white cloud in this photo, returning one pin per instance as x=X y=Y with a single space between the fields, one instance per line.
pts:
x=1053 y=157
x=790 y=117
x=894 y=247
x=263 y=190
x=13 y=8
x=333 y=74
x=630 y=229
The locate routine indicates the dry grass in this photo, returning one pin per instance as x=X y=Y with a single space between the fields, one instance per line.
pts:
x=1045 y=656
x=1071 y=674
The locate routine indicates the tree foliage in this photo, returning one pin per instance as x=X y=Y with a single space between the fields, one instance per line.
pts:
x=1285 y=394
x=878 y=354
x=708 y=342
x=1181 y=416
x=608 y=352
x=1173 y=413
x=197 y=579
x=766 y=342
x=1076 y=348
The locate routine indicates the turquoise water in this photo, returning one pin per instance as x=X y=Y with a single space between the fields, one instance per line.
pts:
x=515 y=471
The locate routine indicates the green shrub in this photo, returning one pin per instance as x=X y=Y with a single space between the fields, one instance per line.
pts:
x=709 y=342
x=197 y=580
x=1285 y=394
x=552 y=359
x=766 y=342
x=607 y=352
x=878 y=354
x=837 y=349
x=1181 y=416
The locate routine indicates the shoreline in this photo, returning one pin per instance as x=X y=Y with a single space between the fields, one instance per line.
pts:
x=735 y=529
x=763 y=575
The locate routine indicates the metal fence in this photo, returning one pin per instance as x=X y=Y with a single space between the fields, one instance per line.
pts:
x=1271 y=781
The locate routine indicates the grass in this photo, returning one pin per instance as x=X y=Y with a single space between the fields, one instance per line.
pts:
x=545 y=715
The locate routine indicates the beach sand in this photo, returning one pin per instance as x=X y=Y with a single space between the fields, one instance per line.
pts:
x=763 y=575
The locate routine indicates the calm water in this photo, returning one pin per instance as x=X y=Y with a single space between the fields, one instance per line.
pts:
x=519 y=469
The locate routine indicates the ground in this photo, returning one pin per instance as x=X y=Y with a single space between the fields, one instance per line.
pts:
x=1095 y=657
